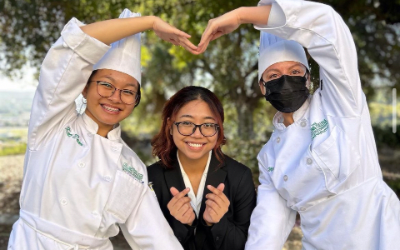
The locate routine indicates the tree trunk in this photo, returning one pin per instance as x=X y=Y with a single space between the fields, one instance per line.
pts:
x=245 y=120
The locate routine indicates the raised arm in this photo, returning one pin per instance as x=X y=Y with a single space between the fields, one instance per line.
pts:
x=110 y=31
x=318 y=28
x=69 y=62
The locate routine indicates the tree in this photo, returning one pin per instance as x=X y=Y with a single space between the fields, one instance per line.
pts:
x=228 y=67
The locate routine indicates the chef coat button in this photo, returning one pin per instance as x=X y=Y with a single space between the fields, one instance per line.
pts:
x=107 y=178
x=309 y=161
x=278 y=140
x=303 y=123
x=81 y=164
x=63 y=201
x=285 y=178
x=302 y=209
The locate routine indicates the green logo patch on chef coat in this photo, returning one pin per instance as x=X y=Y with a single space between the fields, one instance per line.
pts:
x=73 y=136
x=270 y=169
x=318 y=128
x=132 y=172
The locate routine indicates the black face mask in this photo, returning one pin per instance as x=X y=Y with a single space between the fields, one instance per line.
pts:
x=287 y=93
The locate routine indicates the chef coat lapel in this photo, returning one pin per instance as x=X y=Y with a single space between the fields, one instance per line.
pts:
x=173 y=177
x=216 y=175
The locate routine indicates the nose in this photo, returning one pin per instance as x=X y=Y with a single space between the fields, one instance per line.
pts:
x=116 y=96
x=197 y=133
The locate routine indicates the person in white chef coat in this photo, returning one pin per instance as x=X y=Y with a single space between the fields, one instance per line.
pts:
x=81 y=181
x=321 y=160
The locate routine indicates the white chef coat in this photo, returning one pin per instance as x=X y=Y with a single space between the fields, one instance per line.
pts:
x=195 y=200
x=325 y=165
x=78 y=187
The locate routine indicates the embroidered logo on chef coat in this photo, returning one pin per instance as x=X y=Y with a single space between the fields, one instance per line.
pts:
x=318 y=128
x=132 y=172
x=73 y=136
x=270 y=169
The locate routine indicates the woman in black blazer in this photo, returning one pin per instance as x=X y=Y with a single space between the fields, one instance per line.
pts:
x=206 y=196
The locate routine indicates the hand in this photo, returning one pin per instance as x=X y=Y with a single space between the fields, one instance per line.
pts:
x=180 y=208
x=217 y=204
x=218 y=27
x=173 y=35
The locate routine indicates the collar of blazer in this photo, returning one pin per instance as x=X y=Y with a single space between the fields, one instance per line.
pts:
x=216 y=175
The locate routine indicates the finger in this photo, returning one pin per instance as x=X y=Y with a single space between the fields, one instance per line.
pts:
x=181 y=203
x=181 y=33
x=207 y=33
x=216 y=190
x=187 y=44
x=177 y=196
x=217 y=199
x=217 y=35
x=174 y=191
x=221 y=187
x=183 y=209
x=188 y=212
x=174 y=42
x=203 y=47
x=212 y=204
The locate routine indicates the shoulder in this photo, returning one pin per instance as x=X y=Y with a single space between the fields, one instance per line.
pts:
x=155 y=170
x=235 y=169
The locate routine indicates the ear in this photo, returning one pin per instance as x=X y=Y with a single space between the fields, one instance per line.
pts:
x=308 y=83
x=169 y=125
x=85 y=90
x=262 y=88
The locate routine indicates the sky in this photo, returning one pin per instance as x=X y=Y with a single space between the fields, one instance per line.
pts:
x=27 y=83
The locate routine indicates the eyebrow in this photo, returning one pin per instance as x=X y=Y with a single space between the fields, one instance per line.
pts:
x=189 y=116
x=128 y=84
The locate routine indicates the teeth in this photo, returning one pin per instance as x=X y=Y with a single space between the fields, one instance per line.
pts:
x=195 y=145
x=110 y=109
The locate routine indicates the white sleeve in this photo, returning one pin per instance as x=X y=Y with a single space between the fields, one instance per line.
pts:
x=328 y=40
x=63 y=75
x=147 y=228
x=271 y=221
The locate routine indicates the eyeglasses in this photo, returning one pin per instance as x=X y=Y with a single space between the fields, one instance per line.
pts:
x=106 y=90
x=188 y=128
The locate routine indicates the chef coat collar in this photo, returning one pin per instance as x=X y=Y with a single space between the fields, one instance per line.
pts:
x=92 y=126
x=297 y=115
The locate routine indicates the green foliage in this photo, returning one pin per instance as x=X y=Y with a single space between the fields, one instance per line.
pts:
x=15 y=149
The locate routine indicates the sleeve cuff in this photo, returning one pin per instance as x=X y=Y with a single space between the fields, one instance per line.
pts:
x=87 y=47
x=277 y=17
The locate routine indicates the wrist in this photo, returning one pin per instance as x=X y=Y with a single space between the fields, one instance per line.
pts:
x=153 y=22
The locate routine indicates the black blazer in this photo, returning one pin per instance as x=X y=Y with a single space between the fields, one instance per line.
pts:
x=231 y=232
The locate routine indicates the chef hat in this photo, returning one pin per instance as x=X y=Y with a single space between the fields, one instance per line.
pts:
x=274 y=49
x=124 y=55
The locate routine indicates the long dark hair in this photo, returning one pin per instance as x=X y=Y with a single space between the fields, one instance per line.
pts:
x=163 y=145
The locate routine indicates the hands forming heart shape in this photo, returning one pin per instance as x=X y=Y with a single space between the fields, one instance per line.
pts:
x=216 y=28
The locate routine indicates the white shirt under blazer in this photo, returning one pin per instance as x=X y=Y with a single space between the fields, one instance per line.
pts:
x=78 y=187
x=325 y=165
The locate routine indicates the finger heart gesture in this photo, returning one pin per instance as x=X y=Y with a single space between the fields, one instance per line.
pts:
x=180 y=208
x=217 y=205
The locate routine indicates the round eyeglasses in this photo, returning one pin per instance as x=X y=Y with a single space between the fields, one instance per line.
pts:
x=127 y=96
x=188 y=128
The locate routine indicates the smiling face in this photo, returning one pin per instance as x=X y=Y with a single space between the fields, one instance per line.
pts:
x=107 y=112
x=279 y=69
x=195 y=146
